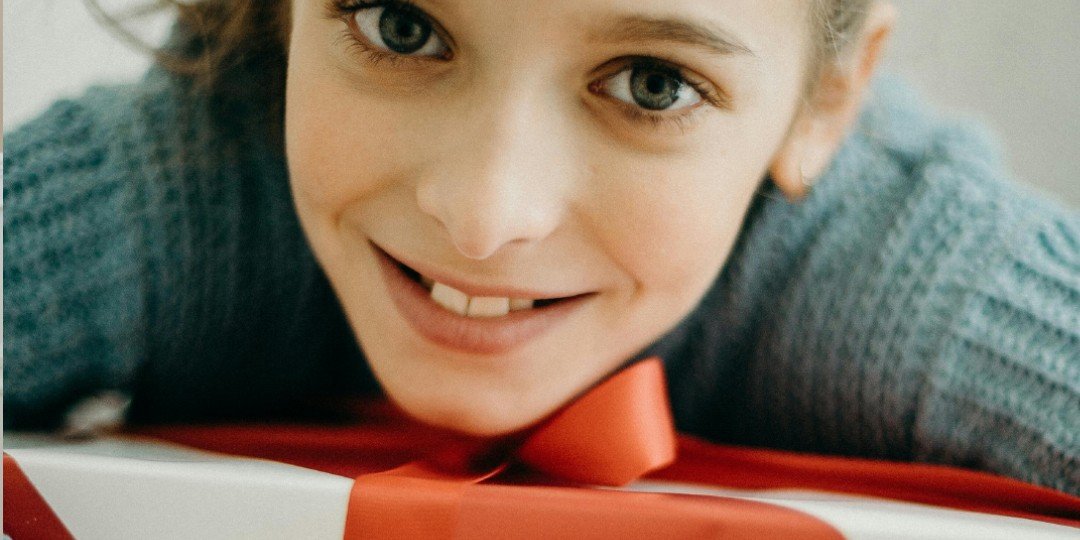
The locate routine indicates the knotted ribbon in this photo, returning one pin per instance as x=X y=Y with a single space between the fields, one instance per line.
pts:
x=613 y=434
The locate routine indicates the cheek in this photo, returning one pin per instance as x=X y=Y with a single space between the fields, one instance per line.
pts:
x=341 y=146
x=676 y=218
x=675 y=225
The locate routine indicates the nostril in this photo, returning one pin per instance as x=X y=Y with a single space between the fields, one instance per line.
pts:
x=477 y=251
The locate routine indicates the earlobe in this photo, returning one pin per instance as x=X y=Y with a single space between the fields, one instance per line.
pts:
x=825 y=118
x=788 y=170
x=805 y=154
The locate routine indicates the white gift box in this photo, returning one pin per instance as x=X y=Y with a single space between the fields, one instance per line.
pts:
x=128 y=487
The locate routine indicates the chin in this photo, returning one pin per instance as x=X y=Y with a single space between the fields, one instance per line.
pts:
x=469 y=415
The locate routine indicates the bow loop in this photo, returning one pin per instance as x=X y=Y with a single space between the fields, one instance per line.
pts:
x=615 y=433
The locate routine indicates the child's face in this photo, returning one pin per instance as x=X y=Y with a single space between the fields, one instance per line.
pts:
x=505 y=150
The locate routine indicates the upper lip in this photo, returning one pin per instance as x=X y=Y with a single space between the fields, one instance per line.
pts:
x=472 y=289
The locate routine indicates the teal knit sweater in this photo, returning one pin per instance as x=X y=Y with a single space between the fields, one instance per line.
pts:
x=913 y=307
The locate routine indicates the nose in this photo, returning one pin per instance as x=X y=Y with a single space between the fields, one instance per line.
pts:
x=502 y=183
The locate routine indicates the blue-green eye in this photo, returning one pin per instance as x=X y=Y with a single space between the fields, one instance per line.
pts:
x=652 y=87
x=399 y=28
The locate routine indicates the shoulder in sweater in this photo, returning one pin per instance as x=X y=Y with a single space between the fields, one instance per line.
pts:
x=70 y=245
x=905 y=310
x=152 y=248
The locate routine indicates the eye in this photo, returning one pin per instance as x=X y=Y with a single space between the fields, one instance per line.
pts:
x=396 y=27
x=653 y=86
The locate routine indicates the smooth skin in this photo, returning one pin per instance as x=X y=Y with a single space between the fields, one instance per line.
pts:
x=508 y=151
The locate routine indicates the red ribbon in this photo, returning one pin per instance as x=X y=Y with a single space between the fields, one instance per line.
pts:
x=612 y=435
x=26 y=514
x=616 y=432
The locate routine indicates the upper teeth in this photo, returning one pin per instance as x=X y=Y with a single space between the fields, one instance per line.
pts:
x=474 y=306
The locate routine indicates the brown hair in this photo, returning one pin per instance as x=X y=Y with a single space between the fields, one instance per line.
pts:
x=253 y=34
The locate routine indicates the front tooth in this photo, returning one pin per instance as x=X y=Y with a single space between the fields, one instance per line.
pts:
x=450 y=298
x=488 y=306
x=520 y=303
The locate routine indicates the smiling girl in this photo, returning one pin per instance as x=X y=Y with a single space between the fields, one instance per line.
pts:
x=484 y=207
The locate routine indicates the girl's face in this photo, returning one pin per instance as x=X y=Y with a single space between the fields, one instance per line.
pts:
x=591 y=158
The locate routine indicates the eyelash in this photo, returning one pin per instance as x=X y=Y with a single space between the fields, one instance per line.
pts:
x=344 y=9
x=682 y=120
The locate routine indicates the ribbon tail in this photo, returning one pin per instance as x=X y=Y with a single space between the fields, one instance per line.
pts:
x=421 y=499
x=26 y=514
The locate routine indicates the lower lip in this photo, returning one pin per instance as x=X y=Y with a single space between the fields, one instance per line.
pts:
x=491 y=335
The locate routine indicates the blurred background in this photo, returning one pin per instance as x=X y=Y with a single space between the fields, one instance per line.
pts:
x=1012 y=64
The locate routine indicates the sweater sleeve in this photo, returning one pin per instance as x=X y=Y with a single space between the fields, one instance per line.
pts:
x=73 y=302
x=1004 y=392
x=152 y=247
x=914 y=307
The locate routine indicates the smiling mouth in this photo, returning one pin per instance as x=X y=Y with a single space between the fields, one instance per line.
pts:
x=484 y=326
x=460 y=303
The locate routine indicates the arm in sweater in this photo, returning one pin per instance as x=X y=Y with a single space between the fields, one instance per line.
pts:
x=914 y=307
x=155 y=251
x=74 y=305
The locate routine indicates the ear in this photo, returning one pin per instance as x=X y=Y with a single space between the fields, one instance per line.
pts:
x=823 y=120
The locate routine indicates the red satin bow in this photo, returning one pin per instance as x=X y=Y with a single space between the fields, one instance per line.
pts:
x=618 y=431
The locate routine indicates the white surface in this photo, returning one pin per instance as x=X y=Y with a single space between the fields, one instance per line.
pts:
x=54 y=48
x=117 y=489
x=1010 y=62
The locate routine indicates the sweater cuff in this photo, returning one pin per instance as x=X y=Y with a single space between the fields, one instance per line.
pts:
x=1004 y=394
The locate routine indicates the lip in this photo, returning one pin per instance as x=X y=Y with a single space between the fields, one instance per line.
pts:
x=473 y=289
x=470 y=334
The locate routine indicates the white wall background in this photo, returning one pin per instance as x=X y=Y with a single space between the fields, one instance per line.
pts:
x=1013 y=63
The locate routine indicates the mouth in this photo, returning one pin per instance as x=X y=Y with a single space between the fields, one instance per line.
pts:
x=476 y=305
x=473 y=319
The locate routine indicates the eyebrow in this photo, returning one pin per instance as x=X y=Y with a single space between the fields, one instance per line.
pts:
x=642 y=28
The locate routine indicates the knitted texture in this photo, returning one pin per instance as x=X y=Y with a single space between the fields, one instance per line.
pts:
x=913 y=307
x=152 y=251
